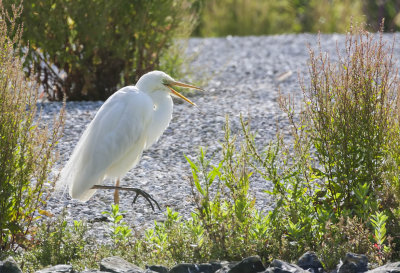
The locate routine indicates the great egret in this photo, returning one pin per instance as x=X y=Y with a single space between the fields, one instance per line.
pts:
x=128 y=123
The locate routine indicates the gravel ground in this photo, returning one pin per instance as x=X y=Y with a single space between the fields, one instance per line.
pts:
x=240 y=75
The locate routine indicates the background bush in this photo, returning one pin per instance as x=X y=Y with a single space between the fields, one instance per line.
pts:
x=244 y=17
x=27 y=145
x=87 y=49
x=261 y=17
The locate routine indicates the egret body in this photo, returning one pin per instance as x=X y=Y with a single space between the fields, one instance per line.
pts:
x=129 y=122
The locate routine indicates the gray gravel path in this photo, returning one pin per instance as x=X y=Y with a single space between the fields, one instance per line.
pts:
x=242 y=76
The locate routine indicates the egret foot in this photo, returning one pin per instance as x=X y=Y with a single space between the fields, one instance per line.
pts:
x=138 y=192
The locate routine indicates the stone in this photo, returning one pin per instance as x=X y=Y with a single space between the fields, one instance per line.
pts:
x=226 y=266
x=309 y=261
x=196 y=268
x=118 y=265
x=278 y=266
x=354 y=263
x=61 y=268
x=388 y=268
x=251 y=264
x=157 y=268
x=9 y=265
x=149 y=271
x=93 y=271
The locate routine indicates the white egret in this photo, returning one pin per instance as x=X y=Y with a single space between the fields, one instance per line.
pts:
x=128 y=123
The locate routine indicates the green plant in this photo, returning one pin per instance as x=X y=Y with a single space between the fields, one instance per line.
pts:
x=348 y=234
x=56 y=242
x=224 y=206
x=87 y=51
x=27 y=145
x=383 y=250
x=119 y=231
x=349 y=107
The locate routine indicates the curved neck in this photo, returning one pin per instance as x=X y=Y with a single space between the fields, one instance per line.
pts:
x=162 y=107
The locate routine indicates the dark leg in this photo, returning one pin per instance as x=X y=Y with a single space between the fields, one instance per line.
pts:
x=138 y=192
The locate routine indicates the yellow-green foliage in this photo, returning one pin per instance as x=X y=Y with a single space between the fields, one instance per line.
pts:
x=27 y=147
x=256 y=17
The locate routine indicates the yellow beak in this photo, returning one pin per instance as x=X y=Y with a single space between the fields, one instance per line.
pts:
x=169 y=85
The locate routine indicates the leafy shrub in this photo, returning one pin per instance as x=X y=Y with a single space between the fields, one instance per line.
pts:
x=87 y=50
x=119 y=231
x=350 y=131
x=349 y=118
x=27 y=146
x=225 y=224
x=56 y=242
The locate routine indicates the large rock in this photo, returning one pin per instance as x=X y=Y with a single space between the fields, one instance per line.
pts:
x=354 y=263
x=310 y=262
x=61 y=268
x=278 y=266
x=9 y=266
x=118 y=265
x=388 y=268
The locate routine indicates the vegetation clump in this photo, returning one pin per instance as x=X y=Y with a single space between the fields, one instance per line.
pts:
x=27 y=145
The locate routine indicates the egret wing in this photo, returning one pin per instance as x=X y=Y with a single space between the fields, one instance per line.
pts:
x=111 y=144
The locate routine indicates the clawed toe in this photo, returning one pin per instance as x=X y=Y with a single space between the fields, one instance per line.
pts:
x=146 y=196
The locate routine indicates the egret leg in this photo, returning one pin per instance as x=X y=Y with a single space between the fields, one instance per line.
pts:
x=138 y=192
x=116 y=192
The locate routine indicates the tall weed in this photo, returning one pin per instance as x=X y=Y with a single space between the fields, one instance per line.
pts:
x=27 y=146
x=349 y=112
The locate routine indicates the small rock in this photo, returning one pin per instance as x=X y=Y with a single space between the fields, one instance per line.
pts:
x=388 y=268
x=93 y=271
x=225 y=267
x=149 y=271
x=9 y=266
x=278 y=266
x=310 y=262
x=157 y=268
x=251 y=264
x=118 y=265
x=196 y=268
x=61 y=268
x=354 y=263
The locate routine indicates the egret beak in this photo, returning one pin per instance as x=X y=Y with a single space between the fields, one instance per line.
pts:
x=169 y=85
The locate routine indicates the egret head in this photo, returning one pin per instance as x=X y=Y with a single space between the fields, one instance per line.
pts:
x=158 y=80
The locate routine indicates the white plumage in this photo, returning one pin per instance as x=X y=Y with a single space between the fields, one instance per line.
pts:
x=130 y=121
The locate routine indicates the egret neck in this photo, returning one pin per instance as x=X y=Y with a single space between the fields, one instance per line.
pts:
x=162 y=107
